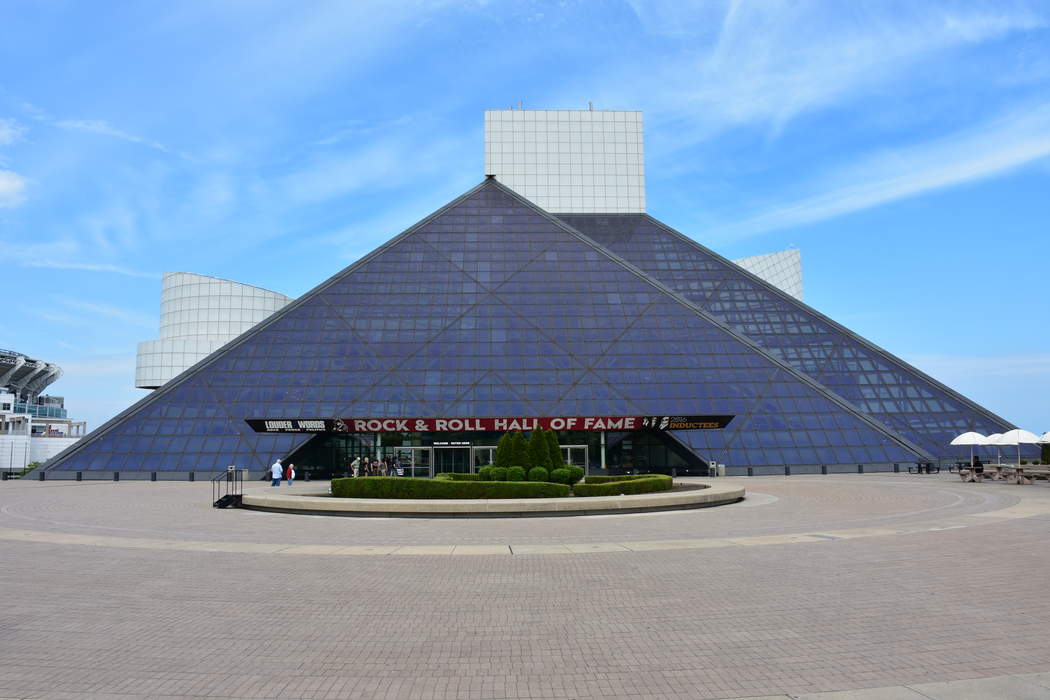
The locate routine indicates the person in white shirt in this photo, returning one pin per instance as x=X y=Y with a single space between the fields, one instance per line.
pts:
x=276 y=473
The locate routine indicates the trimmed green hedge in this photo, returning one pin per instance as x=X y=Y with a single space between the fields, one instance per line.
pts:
x=539 y=474
x=516 y=474
x=639 y=483
x=407 y=487
x=456 y=476
x=618 y=477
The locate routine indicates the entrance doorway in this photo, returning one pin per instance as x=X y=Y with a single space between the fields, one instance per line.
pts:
x=484 y=456
x=414 y=461
x=452 y=459
x=575 y=455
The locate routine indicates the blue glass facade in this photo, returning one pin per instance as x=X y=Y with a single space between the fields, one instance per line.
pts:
x=493 y=307
x=874 y=381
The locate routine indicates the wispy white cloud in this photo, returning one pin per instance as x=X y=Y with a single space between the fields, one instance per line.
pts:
x=89 y=267
x=104 y=128
x=10 y=131
x=382 y=164
x=769 y=62
x=61 y=254
x=12 y=188
x=1011 y=141
x=106 y=310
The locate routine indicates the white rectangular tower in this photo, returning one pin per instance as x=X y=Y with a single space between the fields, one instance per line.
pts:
x=569 y=161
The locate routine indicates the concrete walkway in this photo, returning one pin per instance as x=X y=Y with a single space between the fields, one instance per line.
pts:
x=1028 y=686
x=861 y=586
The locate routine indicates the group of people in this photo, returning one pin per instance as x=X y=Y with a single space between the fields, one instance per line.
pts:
x=362 y=466
x=279 y=471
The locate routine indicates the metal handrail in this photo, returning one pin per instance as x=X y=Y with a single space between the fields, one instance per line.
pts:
x=227 y=483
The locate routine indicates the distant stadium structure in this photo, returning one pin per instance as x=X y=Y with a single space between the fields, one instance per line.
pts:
x=33 y=426
x=25 y=377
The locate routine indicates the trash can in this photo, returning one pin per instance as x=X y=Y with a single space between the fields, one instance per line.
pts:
x=721 y=470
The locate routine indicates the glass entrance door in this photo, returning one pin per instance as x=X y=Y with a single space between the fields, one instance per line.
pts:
x=413 y=461
x=452 y=459
x=420 y=467
x=483 y=456
x=575 y=455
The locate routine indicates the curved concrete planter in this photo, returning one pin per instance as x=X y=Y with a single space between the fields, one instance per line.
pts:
x=322 y=504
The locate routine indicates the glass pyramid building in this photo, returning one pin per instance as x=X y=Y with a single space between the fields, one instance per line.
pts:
x=494 y=307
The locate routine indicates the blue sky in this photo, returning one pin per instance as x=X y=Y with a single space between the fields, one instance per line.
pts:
x=904 y=147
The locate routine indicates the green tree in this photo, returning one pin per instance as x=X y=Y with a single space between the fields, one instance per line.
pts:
x=554 y=450
x=519 y=451
x=539 y=453
x=504 y=450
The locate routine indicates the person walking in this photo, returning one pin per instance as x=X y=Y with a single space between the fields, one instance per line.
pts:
x=289 y=473
x=355 y=466
x=275 y=473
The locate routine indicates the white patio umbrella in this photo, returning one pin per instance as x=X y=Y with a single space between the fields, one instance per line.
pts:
x=970 y=439
x=1017 y=437
x=993 y=439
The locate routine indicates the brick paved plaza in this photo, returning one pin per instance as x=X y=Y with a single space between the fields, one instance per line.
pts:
x=815 y=584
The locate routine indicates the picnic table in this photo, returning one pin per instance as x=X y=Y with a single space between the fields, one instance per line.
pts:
x=1014 y=474
x=1025 y=474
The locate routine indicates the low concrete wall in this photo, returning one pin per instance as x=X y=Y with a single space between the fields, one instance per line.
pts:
x=322 y=504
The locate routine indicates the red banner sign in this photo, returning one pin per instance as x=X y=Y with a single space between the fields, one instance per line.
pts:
x=484 y=425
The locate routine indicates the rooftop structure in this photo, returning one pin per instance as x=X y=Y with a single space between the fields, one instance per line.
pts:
x=198 y=315
x=579 y=161
x=782 y=269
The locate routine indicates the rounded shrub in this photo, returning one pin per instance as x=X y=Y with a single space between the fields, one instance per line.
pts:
x=516 y=474
x=485 y=473
x=499 y=473
x=539 y=474
x=575 y=473
x=561 y=476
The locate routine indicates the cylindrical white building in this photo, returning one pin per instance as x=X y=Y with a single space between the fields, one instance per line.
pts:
x=198 y=315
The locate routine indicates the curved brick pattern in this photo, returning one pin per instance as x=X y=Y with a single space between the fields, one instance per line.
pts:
x=829 y=584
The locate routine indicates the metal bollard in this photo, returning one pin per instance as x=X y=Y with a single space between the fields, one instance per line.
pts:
x=860 y=468
x=116 y=476
x=823 y=469
x=787 y=471
x=41 y=475
x=191 y=476
x=153 y=476
x=896 y=468
x=750 y=471
x=80 y=476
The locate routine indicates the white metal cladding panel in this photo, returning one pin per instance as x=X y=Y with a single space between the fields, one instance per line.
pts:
x=198 y=315
x=193 y=305
x=782 y=269
x=569 y=161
